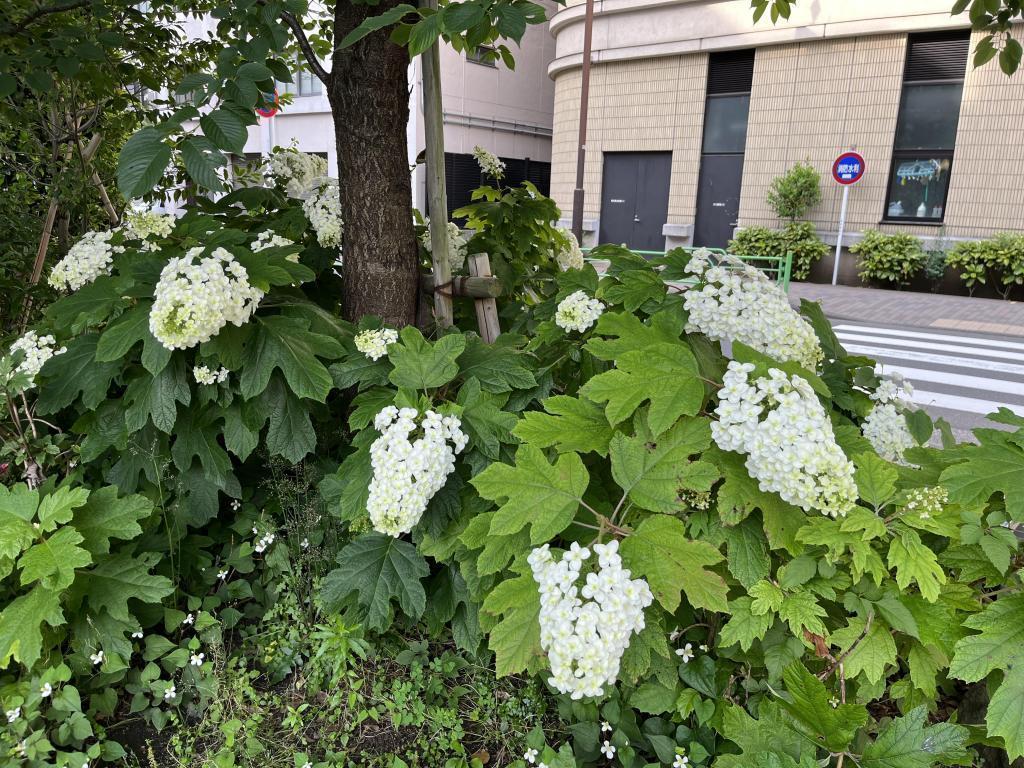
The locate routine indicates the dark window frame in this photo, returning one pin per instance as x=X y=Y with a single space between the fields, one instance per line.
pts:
x=475 y=56
x=936 y=153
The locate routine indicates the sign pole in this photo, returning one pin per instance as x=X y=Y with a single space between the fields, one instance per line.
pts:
x=839 y=237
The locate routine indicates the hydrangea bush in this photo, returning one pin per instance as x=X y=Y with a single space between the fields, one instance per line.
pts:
x=704 y=558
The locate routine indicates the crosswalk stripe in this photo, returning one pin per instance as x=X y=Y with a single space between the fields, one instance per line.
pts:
x=926 y=357
x=961 y=349
x=960 y=403
x=955 y=379
x=997 y=343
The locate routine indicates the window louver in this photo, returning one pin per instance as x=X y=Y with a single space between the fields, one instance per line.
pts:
x=937 y=56
x=731 y=71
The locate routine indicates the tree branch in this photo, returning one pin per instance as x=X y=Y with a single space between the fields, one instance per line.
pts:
x=307 y=50
x=38 y=13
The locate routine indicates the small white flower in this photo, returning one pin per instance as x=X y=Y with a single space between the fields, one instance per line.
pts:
x=608 y=750
x=170 y=692
x=46 y=691
x=204 y=375
x=14 y=714
x=296 y=171
x=489 y=162
x=222 y=575
x=235 y=505
x=530 y=755
x=605 y=726
x=190 y=619
x=304 y=543
x=89 y=258
x=685 y=653
x=374 y=342
x=703 y=647
x=97 y=658
x=307 y=764
x=577 y=312
x=137 y=635
x=323 y=209
x=681 y=761
x=37 y=349
x=197 y=659
x=834 y=702
x=457 y=246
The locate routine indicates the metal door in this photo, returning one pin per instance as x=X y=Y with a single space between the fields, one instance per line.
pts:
x=718 y=199
x=634 y=199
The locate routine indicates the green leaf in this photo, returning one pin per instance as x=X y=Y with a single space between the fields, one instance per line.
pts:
x=420 y=365
x=515 y=640
x=999 y=646
x=872 y=655
x=118 y=579
x=634 y=288
x=659 y=551
x=291 y=431
x=747 y=552
x=914 y=562
x=372 y=24
x=52 y=560
x=424 y=34
x=75 y=374
x=801 y=611
x=288 y=344
x=570 y=424
x=907 y=743
x=21 y=638
x=653 y=474
x=665 y=374
x=380 y=569
x=994 y=466
x=242 y=424
x=143 y=160
x=744 y=627
x=808 y=702
x=500 y=368
x=255 y=71
x=157 y=398
x=225 y=129
x=202 y=161
x=876 y=479
x=920 y=425
x=196 y=437
x=654 y=698
x=630 y=334
x=487 y=426
x=17 y=508
x=122 y=334
x=534 y=492
x=107 y=517
x=58 y=507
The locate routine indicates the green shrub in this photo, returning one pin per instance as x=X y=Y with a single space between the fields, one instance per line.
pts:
x=998 y=262
x=795 y=192
x=889 y=258
x=797 y=237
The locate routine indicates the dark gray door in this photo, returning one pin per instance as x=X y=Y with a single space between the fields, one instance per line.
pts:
x=634 y=199
x=718 y=199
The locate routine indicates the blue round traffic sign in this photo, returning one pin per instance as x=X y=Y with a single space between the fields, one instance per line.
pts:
x=848 y=168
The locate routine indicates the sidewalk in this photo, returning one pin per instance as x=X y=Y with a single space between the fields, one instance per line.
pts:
x=877 y=305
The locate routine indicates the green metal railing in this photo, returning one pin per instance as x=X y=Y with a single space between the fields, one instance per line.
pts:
x=779 y=268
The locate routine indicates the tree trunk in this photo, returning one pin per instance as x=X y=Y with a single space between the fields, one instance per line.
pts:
x=369 y=97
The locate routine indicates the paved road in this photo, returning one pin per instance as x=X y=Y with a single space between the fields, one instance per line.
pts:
x=958 y=376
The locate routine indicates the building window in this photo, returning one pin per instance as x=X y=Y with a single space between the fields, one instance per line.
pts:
x=922 y=157
x=304 y=82
x=483 y=54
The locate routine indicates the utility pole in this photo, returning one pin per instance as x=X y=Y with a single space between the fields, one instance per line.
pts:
x=581 y=152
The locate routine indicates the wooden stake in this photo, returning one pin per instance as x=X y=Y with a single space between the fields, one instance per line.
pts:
x=437 y=201
x=486 y=309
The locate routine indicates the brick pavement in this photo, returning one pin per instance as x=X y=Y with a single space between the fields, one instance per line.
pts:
x=909 y=308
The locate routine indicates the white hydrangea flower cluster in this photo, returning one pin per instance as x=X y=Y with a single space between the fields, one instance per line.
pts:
x=489 y=162
x=585 y=630
x=194 y=300
x=886 y=427
x=322 y=207
x=374 y=342
x=204 y=375
x=142 y=224
x=577 y=312
x=456 y=244
x=297 y=171
x=407 y=473
x=270 y=239
x=736 y=301
x=926 y=501
x=778 y=422
x=38 y=349
x=571 y=255
x=87 y=259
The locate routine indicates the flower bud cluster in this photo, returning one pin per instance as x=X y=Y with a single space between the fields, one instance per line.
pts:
x=37 y=349
x=585 y=630
x=374 y=343
x=456 y=244
x=577 y=312
x=87 y=259
x=570 y=256
x=270 y=239
x=408 y=472
x=489 y=162
x=886 y=426
x=296 y=171
x=322 y=207
x=735 y=301
x=204 y=375
x=142 y=224
x=197 y=295
x=926 y=501
x=779 y=423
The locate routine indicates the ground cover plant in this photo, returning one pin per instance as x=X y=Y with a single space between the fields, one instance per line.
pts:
x=240 y=530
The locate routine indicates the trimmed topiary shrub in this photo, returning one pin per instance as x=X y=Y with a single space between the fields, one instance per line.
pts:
x=998 y=262
x=795 y=192
x=889 y=258
x=797 y=237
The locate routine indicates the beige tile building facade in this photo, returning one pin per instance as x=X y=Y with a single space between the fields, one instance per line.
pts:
x=828 y=80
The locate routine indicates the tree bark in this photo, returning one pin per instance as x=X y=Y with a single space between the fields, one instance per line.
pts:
x=369 y=96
